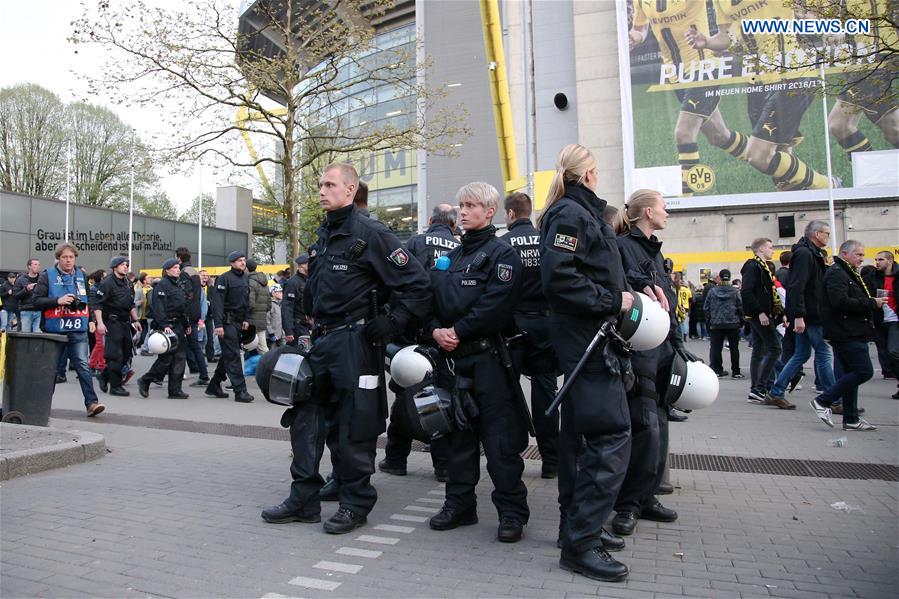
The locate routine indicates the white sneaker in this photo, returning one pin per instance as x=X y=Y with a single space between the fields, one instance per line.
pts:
x=861 y=425
x=823 y=413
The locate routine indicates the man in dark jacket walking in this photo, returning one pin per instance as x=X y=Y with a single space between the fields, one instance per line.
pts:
x=804 y=292
x=847 y=311
x=29 y=316
x=724 y=315
x=260 y=304
x=761 y=304
x=883 y=281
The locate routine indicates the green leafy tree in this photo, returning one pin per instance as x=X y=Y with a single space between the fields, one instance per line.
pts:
x=32 y=141
x=192 y=214
x=156 y=204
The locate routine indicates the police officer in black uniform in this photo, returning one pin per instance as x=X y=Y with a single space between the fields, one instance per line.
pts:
x=354 y=256
x=584 y=283
x=644 y=264
x=293 y=319
x=171 y=308
x=425 y=247
x=114 y=311
x=473 y=303
x=536 y=358
x=230 y=312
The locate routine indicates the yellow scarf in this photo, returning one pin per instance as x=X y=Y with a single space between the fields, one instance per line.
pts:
x=857 y=275
x=777 y=308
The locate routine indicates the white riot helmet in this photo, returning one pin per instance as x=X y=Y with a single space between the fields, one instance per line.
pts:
x=248 y=339
x=645 y=325
x=410 y=367
x=160 y=342
x=693 y=385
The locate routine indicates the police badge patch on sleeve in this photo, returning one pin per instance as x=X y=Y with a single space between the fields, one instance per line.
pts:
x=504 y=272
x=399 y=257
x=566 y=239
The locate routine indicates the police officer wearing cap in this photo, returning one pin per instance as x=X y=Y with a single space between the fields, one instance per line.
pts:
x=584 y=283
x=170 y=314
x=473 y=302
x=293 y=319
x=536 y=357
x=644 y=265
x=114 y=311
x=425 y=247
x=354 y=256
x=230 y=313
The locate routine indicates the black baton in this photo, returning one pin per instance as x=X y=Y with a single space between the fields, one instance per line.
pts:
x=598 y=338
x=506 y=359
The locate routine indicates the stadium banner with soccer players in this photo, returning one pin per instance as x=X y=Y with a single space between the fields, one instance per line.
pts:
x=723 y=105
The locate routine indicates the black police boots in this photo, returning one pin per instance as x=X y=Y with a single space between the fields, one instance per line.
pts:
x=143 y=387
x=343 y=521
x=658 y=513
x=243 y=397
x=119 y=391
x=391 y=468
x=509 y=530
x=178 y=395
x=665 y=488
x=594 y=563
x=450 y=518
x=214 y=389
x=549 y=471
x=624 y=523
x=102 y=382
x=281 y=514
x=329 y=490
x=609 y=541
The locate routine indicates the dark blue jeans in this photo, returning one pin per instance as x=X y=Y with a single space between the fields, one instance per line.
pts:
x=196 y=359
x=856 y=368
x=765 y=352
x=76 y=352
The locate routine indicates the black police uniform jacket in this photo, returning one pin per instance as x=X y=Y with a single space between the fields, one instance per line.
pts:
x=293 y=319
x=231 y=299
x=644 y=266
x=583 y=278
x=115 y=297
x=427 y=247
x=525 y=240
x=848 y=309
x=354 y=255
x=476 y=296
x=170 y=305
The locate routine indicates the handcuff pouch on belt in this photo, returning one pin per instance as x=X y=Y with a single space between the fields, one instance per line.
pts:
x=616 y=355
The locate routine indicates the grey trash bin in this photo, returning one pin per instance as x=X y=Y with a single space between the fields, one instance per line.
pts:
x=30 y=376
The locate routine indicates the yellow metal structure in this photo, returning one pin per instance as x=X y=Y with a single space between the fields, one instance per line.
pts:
x=244 y=116
x=499 y=92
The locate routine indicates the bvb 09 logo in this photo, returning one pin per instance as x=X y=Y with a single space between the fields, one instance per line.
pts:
x=700 y=178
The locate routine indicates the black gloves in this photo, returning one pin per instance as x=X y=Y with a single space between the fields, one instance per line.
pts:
x=381 y=328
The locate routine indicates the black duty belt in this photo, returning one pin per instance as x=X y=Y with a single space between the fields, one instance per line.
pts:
x=534 y=312
x=126 y=317
x=320 y=330
x=470 y=348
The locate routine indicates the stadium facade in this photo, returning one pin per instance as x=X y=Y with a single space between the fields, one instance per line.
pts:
x=571 y=78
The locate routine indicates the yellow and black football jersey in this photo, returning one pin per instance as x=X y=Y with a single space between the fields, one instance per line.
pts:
x=670 y=20
x=770 y=48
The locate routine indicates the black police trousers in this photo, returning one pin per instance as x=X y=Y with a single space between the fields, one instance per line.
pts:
x=230 y=362
x=539 y=363
x=500 y=428
x=170 y=364
x=399 y=439
x=666 y=359
x=642 y=471
x=117 y=348
x=594 y=440
x=346 y=365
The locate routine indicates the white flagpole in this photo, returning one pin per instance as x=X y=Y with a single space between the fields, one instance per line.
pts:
x=833 y=218
x=131 y=206
x=200 y=219
x=68 y=185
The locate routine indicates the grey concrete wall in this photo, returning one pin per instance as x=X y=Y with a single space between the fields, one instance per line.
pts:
x=454 y=41
x=31 y=227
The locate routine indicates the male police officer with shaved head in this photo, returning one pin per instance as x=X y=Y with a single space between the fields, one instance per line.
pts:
x=353 y=257
x=230 y=314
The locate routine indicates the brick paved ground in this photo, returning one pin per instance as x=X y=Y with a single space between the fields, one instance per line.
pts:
x=176 y=514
